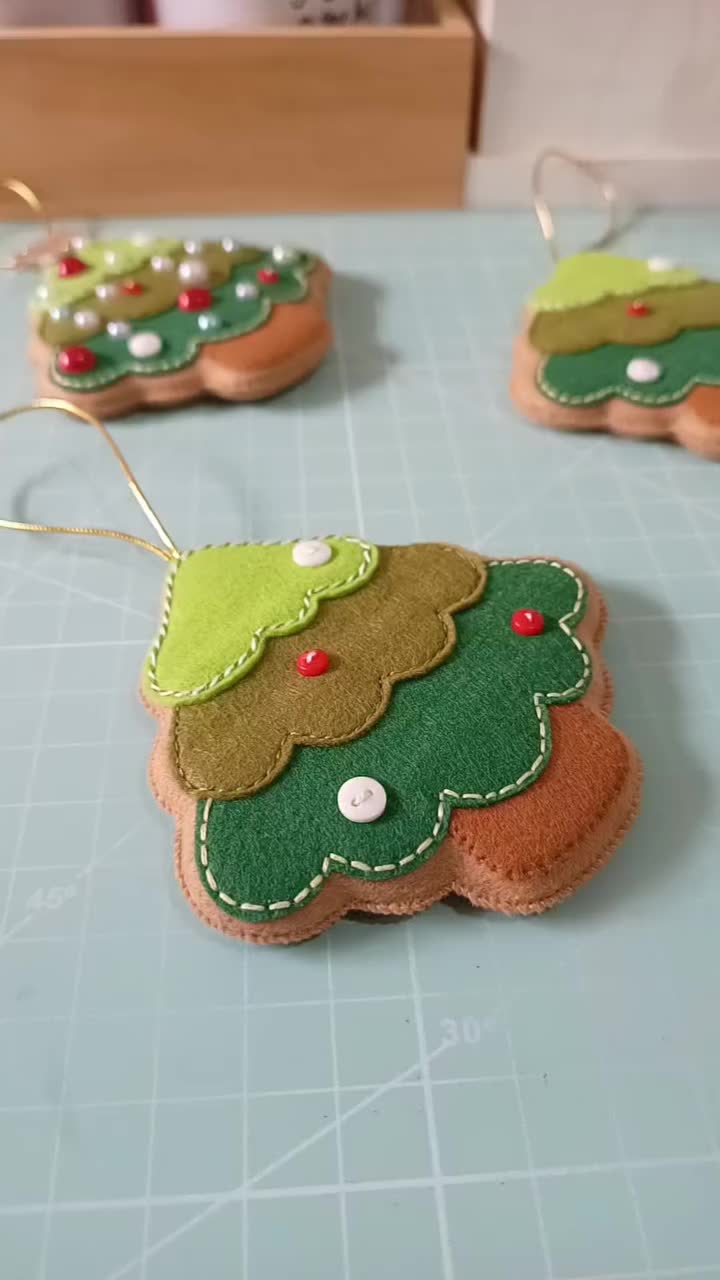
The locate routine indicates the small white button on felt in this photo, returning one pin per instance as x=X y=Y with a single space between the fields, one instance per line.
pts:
x=660 y=264
x=144 y=345
x=311 y=553
x=642 y=370
x=362 y=799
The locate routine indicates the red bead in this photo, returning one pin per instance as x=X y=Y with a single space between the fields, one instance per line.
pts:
x=528 y=622
x=638 y=310
x=133 y=288
x=195 y=300
x=77 y=360
x=266 y=275
x=71 y=266
x=313 y=663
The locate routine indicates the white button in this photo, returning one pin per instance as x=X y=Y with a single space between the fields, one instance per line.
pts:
x=311 y=553
x=193 y=271
x=106 y=291
x=642 y=370
x=144 y=345
x=160 y=263
x=362 y=799
x=660 y=264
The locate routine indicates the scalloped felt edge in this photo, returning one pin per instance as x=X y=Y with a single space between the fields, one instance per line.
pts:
x=682 y=422
x=483 y=858
x=254 y=366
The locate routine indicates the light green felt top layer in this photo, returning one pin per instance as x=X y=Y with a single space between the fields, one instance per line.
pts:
x=63 y=291
x=223 y=603
x=589 y=277
x=473 y=732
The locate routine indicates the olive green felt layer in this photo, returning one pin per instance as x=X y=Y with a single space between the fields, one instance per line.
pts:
x=589 y=277
x=690 y=360
x=222 y=604
x=160 y=290
x=67 y=291
x=473 y=732
x=179 y=330
x=695 y=306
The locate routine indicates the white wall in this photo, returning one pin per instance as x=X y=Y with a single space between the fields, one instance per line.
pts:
x=633 y=82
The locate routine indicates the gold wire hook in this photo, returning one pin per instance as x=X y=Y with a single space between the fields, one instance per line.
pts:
x=49 y=248
x=64 y=406
x=542 y=209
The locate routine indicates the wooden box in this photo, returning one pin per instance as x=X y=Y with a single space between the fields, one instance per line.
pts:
x=145 y=121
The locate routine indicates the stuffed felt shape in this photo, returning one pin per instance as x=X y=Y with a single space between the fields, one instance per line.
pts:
x=120 y=325
x=348 y=727
x=623 y=345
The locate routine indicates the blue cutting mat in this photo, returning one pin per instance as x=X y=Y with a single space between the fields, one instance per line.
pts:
x=456 y=1098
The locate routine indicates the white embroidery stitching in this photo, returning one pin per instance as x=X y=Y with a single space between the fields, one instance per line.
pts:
x=258 y=637
x=540 y=700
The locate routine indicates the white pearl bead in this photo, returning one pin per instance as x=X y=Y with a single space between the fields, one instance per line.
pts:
x=59 y=313
x=245 y=291
x=144 y=345
x=643 y=370
x=110 y=257
x=362 y=799
x=208 y=320
x=193 y=271
x=119 y=329
x=160 y=263
x=86 y=319
x=311 y=553
x=105 y=291
x=660 y=264
x=41 y=292
x=230 y=245
x=193 y=246
x=79 y=242
x=283 y=254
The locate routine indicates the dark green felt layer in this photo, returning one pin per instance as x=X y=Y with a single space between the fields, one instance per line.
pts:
x=179 y=330
x=475 y=727
x=589 y=377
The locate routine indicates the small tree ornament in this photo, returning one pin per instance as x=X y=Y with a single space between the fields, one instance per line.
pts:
x=373 y=728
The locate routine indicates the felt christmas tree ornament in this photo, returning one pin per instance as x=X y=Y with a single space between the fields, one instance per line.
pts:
x=349 y=727
x=126 y=324
x=619 y=344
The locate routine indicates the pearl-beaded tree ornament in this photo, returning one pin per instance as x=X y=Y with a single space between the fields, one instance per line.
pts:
x=120 y=325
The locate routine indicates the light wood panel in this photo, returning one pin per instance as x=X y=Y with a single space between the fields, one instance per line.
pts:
x=146 y=121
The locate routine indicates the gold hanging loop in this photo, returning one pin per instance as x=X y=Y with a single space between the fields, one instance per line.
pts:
x=167 y=552
x=592 y=171
x=44 y=252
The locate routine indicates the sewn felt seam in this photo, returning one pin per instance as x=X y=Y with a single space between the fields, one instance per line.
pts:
x=624 y=393
x=335 y=861
x=258 y=637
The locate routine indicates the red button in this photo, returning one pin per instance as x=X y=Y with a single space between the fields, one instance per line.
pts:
x=528 y=622
x=71 y=266
x=77 y=360
x=638 y=310
x=267 y=276
x=133 y=288
x=313 y=663
x=195 y=300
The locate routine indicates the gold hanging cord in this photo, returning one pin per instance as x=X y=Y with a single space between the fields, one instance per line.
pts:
x=28 y=197
x=63 y=406
x=592 y=171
